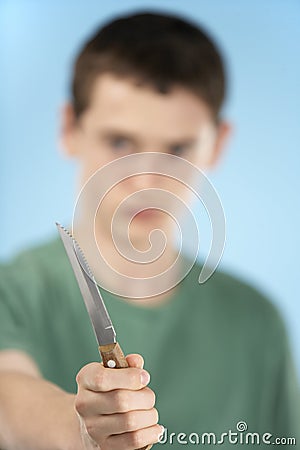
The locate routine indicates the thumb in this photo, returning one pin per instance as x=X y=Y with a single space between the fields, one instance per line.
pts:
x=135 y=360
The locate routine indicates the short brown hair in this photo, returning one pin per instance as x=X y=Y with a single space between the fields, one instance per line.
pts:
x=155 y=49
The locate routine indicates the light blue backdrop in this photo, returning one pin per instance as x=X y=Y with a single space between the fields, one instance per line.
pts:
x=258 y=179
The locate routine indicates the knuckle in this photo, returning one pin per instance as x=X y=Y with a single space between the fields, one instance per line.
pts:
x=121 y=401
x=84 y=371
x=136 y=439
x=79 y=377
x=80 y=404
x=90 y=427
x=94 y=427
x=100 y=380
x=130 y=421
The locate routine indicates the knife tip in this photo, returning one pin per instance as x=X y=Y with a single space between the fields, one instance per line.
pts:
x=61 y=227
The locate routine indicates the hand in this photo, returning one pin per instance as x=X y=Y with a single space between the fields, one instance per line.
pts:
x=115 y=408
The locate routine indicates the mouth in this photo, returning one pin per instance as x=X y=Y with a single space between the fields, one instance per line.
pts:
x=143 y=214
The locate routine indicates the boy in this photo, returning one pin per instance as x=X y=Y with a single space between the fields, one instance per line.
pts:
x=217 y=353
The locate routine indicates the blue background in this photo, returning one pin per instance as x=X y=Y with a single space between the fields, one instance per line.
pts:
x=258 y=179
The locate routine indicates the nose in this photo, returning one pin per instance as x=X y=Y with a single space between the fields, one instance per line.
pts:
x=149 y=169
x=146 y=181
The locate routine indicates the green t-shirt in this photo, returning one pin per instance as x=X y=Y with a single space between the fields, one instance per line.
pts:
x=217 y=352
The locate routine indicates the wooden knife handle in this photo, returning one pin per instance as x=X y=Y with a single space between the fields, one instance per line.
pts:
x=113 y=357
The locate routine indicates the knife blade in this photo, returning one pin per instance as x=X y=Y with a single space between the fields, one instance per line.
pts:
x=109 y=349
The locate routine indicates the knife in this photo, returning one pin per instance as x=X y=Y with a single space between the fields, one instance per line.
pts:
x=109 y=349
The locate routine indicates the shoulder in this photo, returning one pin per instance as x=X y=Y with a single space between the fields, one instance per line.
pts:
x=41 y=253
x=29 y=268
x=236 y=301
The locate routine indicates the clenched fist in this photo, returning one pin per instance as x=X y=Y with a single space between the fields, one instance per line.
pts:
x=115 y=408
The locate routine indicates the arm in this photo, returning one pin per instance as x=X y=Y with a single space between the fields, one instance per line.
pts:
x=112 y=408
x=34 y=413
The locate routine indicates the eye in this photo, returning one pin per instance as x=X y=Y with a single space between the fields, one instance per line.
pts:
x=178 y=149
x=119 y=143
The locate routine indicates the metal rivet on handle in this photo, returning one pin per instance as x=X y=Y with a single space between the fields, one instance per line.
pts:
x=111 y=363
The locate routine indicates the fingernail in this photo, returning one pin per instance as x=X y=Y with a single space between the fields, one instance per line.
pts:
x=145 y=378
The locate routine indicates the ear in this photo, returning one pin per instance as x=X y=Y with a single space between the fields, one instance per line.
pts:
x=68 y=129
x=223 y=132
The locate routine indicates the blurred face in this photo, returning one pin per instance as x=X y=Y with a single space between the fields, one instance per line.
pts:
x=124 y=119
